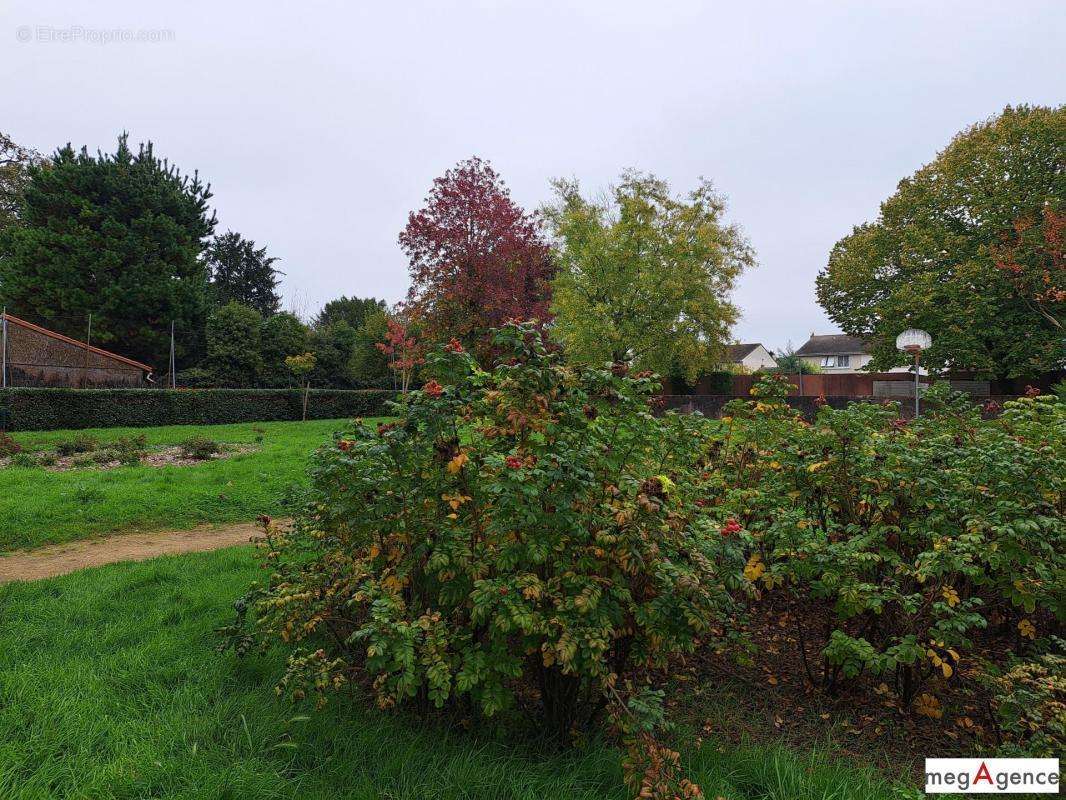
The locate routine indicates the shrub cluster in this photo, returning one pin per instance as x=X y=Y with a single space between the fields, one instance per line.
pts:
x=200 y=448
x=48 y=409
x=81 y=443
x=525 y=537
x=1029 y=700
x=8 y=446
x=910 y=536
x=534 y=537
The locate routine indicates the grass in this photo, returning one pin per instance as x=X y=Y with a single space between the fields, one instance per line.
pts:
x=110 y=687
x=40 y=507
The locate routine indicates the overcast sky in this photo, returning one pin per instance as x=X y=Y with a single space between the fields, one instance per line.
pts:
x=321 y=125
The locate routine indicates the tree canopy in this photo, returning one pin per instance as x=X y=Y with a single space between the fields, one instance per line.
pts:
x=15 y=162
x=645 y=275
x=368 y=365
x=353 y=310
x=476 y=258
x=242 y=273
x=115 y=235
x=969 y=248
x=234 y=345
x=283 y=335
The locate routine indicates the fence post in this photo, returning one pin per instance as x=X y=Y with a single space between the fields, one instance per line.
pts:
x=3 y=347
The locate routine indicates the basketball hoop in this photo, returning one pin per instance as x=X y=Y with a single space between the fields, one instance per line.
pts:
x=914 y=341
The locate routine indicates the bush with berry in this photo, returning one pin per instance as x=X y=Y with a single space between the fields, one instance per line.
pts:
x=908 y=536
x=527 y=537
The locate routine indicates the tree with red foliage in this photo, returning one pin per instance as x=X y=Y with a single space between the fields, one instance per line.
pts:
x=404 y=351
x=477 y=259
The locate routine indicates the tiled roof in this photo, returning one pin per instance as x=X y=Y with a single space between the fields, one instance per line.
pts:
x=835 y=344
x=60 y=337
x=738 y=352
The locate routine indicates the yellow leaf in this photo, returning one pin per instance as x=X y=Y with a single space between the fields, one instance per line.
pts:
x=374 y=551
x=754 y=568
x=1027 y=629
x=946 y=669
x=817 y=466
x=455 y=500
x=393 y=583
x=456 y=463
x=928 y=706
x=951 y=596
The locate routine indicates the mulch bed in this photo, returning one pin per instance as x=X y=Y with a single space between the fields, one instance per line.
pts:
x=163 y=457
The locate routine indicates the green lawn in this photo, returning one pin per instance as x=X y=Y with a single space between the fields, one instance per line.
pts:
x=39 y=507
x=110 y=687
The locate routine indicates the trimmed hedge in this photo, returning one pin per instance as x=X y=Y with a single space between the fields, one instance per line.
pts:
x=26 y=409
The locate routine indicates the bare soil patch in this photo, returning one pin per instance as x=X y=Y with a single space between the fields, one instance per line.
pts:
x=47 y=562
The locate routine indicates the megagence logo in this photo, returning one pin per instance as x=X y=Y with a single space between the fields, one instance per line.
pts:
x=991 y=776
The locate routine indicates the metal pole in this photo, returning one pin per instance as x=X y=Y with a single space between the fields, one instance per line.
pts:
x=173 y=377
x=3 y=368
x=85 y=362
x=916 y=355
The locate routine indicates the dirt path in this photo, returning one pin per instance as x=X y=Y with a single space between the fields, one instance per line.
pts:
x=59 y=559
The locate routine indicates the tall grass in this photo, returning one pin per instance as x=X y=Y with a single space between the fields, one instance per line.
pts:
x=110 y=687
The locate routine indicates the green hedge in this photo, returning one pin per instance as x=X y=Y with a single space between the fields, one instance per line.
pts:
x=25 y=409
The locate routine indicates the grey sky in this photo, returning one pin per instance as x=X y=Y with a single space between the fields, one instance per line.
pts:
x=321 y=125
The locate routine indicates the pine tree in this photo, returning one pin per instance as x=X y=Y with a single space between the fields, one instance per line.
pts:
x=243 y=274
x=118 y=236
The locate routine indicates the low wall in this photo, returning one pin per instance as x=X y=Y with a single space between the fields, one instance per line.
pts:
x=711 y=405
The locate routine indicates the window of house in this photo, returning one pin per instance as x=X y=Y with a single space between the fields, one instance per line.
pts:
x=836 y=361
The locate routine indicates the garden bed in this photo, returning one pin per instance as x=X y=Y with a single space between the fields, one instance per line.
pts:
x=164 y=457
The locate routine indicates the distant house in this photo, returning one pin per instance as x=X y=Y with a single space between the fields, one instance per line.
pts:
x=35 y=356
x=750 y=356
x=835 y=353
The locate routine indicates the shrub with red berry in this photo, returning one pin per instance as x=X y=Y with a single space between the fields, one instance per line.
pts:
x=525 y=536
x=902 y=538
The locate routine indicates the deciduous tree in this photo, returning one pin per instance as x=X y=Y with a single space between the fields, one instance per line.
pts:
x=645 y=275
x=477 y=259
x=368 y=365
x=15 y=163
x=968 y=248
x=234 y=346
x=283 y=335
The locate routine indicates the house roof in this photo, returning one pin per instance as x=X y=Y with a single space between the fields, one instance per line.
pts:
x=60 y=337
x=834 y=344
x=738 y=352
